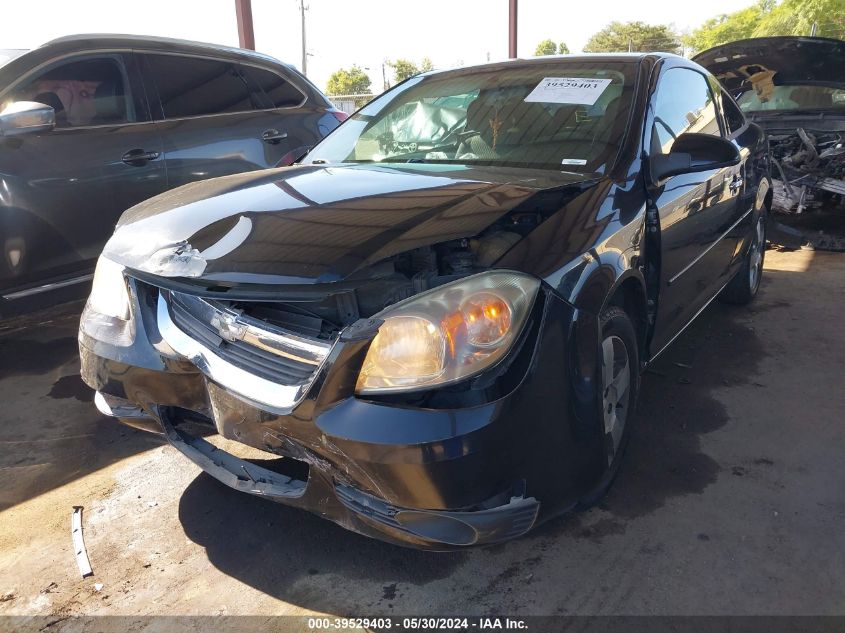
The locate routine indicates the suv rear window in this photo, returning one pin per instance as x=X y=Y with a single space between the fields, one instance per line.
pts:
x=193 y=86
x=280 y=92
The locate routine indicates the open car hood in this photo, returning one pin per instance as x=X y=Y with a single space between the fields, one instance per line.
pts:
x=786 y=60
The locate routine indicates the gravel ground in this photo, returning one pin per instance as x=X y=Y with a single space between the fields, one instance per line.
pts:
x=731 y=499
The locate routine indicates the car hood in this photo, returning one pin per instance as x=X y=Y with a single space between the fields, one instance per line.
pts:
x=793 y=60
x=314 y=224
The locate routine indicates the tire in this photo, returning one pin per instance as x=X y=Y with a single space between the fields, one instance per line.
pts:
x=619 y=341
x=744 y=286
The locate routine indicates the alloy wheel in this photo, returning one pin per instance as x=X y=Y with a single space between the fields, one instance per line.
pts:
x=755 y=264
x=616 y=383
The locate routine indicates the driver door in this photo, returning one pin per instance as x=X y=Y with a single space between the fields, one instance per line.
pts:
x=696 y=210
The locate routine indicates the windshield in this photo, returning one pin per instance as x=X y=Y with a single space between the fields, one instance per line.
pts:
x=8 y=54
x=793 y=97
x=568 y=115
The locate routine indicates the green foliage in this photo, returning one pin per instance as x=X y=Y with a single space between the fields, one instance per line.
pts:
x=426 y=64
x=546 y=47
x=402 y=69
x=634 y=36
x=768 y=17
x=796 y=17
x=348 y=81
x=725 y=28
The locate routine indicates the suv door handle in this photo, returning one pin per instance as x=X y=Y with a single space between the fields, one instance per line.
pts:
x=139 y=157
x=273 y=136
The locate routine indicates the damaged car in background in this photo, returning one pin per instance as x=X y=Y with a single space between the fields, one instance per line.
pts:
x=435 y=338
x=794 y=88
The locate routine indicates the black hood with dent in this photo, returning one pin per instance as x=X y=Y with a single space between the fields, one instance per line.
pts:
x=325 y=223
x=793 y=60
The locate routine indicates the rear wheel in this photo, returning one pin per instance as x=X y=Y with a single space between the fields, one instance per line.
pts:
x=620 y=378
x=744 y=286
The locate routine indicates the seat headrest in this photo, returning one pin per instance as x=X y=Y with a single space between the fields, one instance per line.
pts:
x=108 y=101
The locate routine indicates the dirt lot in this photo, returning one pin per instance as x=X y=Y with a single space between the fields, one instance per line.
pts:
x=731 y=499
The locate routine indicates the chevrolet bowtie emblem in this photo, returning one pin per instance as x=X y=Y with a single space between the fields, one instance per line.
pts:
x=227 y=327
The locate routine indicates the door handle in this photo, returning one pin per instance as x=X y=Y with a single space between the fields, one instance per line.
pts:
x=273 y=136
x=736 y=183
x=139 y=157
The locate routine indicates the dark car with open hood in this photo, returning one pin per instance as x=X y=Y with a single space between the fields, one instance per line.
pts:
x=433 y=327
x=794 y=88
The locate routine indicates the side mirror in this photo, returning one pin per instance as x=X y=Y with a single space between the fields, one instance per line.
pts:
x=691 y=153
x=26 y=117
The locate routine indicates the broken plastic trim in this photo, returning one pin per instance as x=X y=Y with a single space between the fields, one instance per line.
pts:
x=78 y=543
x=461 y=528
x=234 y=472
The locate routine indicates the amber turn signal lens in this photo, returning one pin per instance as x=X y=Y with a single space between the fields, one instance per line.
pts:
x=487 y=317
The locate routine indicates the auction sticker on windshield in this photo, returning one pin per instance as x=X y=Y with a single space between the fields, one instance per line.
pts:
x=573 y=90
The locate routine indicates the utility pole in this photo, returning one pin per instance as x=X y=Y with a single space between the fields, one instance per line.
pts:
x=304 y=53
x=512 y=16
x=246 y=35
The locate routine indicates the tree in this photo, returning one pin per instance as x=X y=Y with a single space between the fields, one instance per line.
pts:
x=724 y=28
x=768 y=17
x=348 y=81
x=797 y=17
x=563 y=49
x=426 y=64
x=403 y=68
x=546 y=47
x=634 y=36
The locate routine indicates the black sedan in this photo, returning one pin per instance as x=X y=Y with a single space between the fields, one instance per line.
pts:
x=437 y=340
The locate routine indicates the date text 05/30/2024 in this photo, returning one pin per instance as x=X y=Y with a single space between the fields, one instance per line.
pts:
x=421 y=623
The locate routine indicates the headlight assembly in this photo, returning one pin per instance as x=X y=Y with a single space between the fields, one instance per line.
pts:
x=107 y=316
x=447 y=334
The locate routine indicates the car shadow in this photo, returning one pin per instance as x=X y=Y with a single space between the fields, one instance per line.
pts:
x=271 y=547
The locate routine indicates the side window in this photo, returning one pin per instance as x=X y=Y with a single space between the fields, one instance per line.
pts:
x=733 y=115
x=683 y=103
x=279 y=92
x=83 y=92
x=194 y=86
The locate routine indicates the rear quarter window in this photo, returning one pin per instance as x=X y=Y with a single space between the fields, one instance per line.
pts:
x=279 y=91
x=195 y=86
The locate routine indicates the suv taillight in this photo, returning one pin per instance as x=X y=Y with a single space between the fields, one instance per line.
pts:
x=340 y=115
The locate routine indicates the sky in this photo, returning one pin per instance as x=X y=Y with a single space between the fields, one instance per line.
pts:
x=345 y=32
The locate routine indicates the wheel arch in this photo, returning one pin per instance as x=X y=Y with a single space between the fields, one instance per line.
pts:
x=629 y=294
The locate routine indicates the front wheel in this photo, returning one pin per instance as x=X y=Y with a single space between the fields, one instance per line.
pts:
x=744 y=286
x=620 y=379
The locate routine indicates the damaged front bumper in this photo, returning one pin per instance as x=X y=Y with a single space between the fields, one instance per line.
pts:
x=482 y=465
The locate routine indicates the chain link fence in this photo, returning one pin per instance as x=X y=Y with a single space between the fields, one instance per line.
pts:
x=350 y=103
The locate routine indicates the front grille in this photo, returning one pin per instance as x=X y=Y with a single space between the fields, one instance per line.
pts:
x=200 y=320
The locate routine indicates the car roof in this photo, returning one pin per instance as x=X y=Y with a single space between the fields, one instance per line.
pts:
x=106 y=40
x=545 y=59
